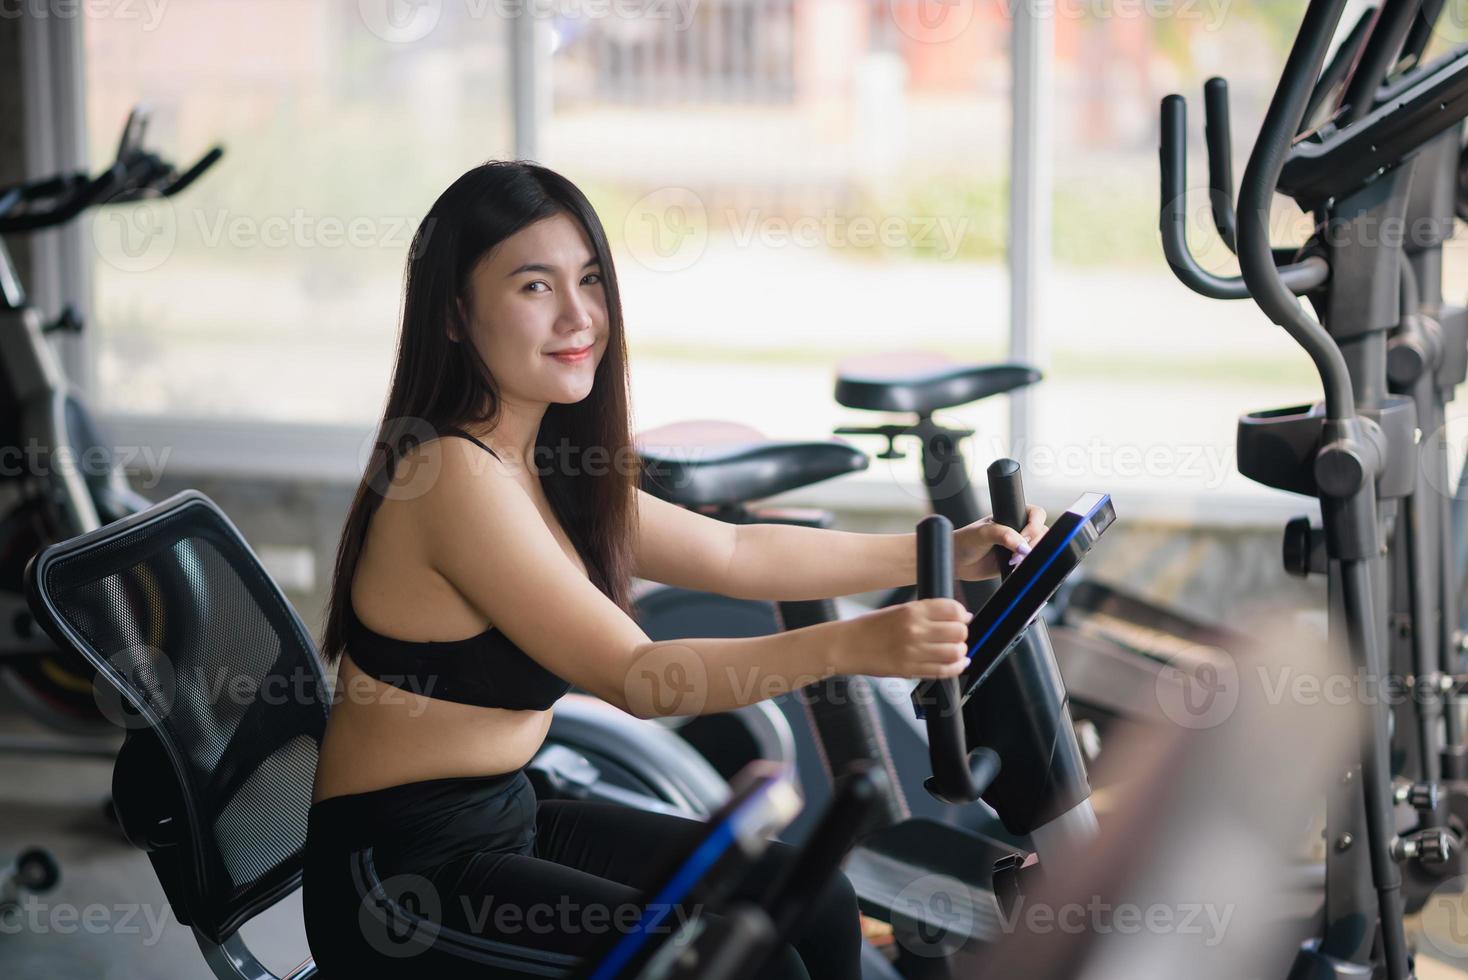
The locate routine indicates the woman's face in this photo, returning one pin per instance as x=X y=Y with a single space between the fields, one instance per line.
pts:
x=535 y=297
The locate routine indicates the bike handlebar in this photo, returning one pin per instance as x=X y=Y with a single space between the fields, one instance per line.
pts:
x=135 y=174
x=958 y=777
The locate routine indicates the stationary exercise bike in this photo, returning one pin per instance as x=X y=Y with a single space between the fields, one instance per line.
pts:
x=1115 y=651
x=1111 y=644
x=60 y=463
x=959 y=887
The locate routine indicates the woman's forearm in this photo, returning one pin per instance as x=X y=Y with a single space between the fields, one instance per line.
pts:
x=784 y=562
x=703 y=676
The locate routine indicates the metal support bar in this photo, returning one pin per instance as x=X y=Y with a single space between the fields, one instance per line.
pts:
x=1031 y=150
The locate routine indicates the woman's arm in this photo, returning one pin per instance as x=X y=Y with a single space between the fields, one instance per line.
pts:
x=483 y=533
x=678 y=547
x=785 y=562
x=782 y=562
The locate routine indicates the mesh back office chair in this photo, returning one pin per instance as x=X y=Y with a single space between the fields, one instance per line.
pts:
x=204 y=662
x=202 y=659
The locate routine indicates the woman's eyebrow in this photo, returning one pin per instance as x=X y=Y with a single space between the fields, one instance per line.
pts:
x=542 y=267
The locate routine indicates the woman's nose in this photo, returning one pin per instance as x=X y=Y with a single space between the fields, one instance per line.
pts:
x=576 y=313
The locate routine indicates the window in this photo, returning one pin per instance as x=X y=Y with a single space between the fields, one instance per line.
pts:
x=270 y=289
x=1147 y=378
x=789 y=183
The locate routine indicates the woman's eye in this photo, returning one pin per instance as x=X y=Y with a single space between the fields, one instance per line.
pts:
x=538 y=282
x=595 y=277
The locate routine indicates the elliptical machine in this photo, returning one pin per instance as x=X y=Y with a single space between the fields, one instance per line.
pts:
x=1356 y=451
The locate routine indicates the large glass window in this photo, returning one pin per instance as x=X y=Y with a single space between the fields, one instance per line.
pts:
x=790 y=183
x=1147 y=378
x=786 y=183
x=271 y=288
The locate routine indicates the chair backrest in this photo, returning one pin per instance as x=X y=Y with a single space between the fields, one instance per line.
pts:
x=202 y=659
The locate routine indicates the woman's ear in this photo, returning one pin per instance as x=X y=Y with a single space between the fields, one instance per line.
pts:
x=455 y=326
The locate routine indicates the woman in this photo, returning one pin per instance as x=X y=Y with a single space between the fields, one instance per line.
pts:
x=483 y=573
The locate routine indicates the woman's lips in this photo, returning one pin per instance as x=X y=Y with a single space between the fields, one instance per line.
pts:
x=573 y=356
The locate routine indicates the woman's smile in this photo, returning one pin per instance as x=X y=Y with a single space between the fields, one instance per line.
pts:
x=573 y=355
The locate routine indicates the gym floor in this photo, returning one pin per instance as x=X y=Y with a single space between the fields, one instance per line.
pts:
x=107 y=918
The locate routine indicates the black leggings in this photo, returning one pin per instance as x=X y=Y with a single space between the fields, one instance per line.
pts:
x=539 y=885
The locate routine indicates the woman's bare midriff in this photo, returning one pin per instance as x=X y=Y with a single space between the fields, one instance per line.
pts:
x=379 y=735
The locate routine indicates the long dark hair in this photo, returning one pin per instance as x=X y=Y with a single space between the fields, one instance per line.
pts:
x=439 y=384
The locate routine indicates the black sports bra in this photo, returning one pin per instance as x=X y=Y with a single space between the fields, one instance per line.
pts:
x=487 y=670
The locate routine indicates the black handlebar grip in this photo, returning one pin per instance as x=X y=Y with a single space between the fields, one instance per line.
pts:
x=1172 y=148
x=1218 y=134
x=195 y=172
x=935 y=557
x=956 y=778
x=1007 y=493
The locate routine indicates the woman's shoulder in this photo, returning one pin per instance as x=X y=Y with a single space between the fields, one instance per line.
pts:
x=444 y=458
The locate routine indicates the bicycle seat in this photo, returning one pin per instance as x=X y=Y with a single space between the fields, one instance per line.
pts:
x=911 y=381
x=707 y=463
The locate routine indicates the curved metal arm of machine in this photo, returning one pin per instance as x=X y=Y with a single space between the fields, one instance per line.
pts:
x=1422 y=30
x=1339 y=68
x=1261 y=175
x=1393 y=24
x=1172 y=152
x=1348 y=505
x=958 y=777
x=1218 y=135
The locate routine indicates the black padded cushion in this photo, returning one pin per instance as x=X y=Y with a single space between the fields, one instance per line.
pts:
x=709 y=463
x=923 y=383
x=192 y=639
